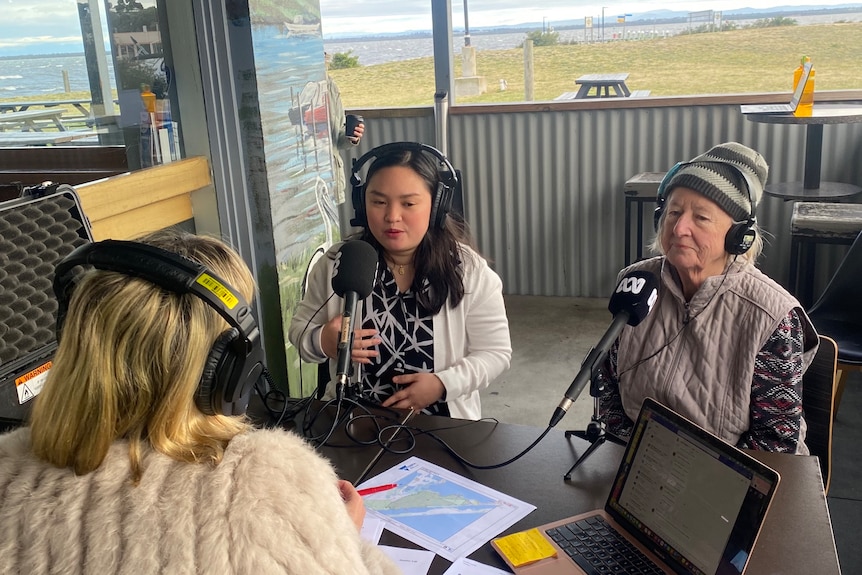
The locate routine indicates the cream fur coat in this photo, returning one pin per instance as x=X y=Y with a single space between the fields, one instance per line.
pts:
x=271 y=506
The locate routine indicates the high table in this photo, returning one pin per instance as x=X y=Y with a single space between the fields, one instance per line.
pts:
x=796 y=537
x=639 y=189
x=812 y=188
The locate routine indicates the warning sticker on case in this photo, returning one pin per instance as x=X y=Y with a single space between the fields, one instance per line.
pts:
x=30 y=384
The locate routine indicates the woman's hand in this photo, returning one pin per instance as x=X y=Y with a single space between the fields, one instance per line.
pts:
x=364 y=341
x=418 y=392
x=353 y=502
x=357 y=133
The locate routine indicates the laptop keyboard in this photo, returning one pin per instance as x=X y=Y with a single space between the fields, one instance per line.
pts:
x=598 y=548
x=774 y=108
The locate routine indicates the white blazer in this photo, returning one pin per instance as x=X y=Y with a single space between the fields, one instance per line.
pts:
x=472 y=346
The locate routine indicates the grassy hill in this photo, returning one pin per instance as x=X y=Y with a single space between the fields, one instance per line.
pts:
x=738 y=61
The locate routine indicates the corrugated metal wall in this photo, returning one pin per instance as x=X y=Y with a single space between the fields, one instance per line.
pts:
x=543 y=189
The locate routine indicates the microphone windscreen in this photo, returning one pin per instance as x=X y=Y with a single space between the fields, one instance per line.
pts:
x=355 y=269
x=636 y=294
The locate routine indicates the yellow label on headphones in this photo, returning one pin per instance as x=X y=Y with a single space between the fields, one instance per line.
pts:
x=218 y=289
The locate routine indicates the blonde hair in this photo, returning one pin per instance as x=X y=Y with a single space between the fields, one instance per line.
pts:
x=128 y=364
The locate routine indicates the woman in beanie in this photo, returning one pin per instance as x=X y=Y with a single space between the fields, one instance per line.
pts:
x=724 y=345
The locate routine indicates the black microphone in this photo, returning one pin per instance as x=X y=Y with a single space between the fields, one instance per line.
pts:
x=352 y=279
x=630 y=303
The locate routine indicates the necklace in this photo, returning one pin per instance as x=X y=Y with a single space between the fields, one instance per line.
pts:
x=400 y=266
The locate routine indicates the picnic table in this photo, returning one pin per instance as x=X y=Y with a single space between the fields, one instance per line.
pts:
x=28 y=120
x=23 y=106
x=605 y=86
x=13 y=139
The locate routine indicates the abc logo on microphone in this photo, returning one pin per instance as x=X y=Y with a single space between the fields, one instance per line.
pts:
x=636 y=294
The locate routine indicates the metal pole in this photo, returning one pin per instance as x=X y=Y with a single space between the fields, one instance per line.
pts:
x=444 y=60
x=441 y=122
x=466 y=26
x=603 y=23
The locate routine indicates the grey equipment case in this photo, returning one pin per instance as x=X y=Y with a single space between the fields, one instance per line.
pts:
x=37 y=230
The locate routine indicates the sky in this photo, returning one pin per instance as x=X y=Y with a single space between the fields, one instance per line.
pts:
x=382 y=16
x=52 y=26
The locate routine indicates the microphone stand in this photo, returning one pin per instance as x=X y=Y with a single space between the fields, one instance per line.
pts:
x=595 y=432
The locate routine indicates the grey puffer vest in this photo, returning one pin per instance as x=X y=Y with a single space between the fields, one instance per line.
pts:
x=706 y=347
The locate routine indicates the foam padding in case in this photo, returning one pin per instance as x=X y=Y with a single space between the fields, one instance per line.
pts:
x=35 y=234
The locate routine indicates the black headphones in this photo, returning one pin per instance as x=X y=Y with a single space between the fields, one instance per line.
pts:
x=236 y=359
x=441 y=204
x=741 y=235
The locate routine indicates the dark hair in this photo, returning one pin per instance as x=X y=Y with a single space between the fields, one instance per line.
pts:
x=438 y=256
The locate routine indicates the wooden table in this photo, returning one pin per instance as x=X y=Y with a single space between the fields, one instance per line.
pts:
x=796 y=537
x=27 y=120
x=812 y=188
x=603 y=84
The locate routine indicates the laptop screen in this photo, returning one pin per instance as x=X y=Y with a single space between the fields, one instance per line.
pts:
x=694 y=500
x=800 y=86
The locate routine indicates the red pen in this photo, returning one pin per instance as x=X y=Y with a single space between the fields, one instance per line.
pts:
x=378 y=489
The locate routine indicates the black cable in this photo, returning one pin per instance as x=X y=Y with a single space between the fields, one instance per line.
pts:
x=413 y=431
x=302 y=333
x=284 y=408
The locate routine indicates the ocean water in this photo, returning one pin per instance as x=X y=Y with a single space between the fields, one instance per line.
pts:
x=43 y=76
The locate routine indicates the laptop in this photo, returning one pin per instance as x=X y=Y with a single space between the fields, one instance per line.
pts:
x=683 y=501
x=781 y=108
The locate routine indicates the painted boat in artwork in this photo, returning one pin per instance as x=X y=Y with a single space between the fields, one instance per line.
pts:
x=302 y=29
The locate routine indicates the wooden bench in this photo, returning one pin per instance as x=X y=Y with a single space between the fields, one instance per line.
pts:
x=567 y=96
x=129 y=205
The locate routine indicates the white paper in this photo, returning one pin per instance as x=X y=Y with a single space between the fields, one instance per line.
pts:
x=466 y=566
x=165 y=145
x=372 y=529
x=410 y=561
x=441 y=510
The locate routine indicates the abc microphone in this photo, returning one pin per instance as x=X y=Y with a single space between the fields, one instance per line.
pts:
x=352 y=279
x=630 y=303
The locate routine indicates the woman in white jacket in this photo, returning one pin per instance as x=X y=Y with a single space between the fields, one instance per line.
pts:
x=434 y=329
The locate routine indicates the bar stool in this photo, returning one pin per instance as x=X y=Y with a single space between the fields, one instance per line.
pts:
x=639 y=189
x=815 y=223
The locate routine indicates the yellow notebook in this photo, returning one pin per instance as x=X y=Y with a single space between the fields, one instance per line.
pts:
x=524 y=547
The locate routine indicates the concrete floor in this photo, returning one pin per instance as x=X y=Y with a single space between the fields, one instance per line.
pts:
x=552 y=335
x=550 y=338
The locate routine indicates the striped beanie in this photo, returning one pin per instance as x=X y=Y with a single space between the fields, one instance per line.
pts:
x=728 y=174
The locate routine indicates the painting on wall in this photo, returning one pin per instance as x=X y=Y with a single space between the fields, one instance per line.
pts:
x=291 y=79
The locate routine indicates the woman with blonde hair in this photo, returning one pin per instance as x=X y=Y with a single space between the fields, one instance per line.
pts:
x=138 y=458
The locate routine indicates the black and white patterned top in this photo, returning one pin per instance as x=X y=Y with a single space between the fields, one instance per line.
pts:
x=407 y=333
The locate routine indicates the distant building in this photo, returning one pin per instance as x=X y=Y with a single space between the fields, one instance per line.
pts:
x=137 y=44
